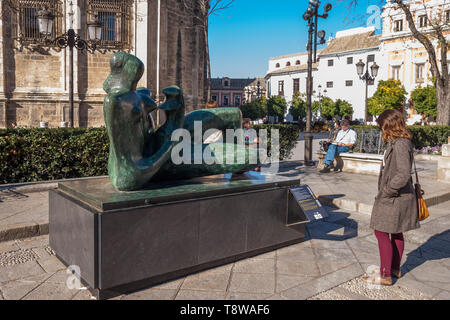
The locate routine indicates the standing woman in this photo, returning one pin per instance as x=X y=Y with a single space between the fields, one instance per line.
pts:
x=395 y=207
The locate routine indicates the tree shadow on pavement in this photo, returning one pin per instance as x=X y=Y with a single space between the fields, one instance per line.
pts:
x=9 y=194
x=437 y=247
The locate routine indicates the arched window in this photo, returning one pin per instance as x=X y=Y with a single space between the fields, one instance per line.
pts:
x=288 y=64
x=297 y=62
x=277 y=65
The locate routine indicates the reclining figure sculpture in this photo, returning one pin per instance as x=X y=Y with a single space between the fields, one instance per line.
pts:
x=140 y=153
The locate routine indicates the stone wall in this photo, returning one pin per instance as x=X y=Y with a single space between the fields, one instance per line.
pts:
x=182 y=52
x=34 y=86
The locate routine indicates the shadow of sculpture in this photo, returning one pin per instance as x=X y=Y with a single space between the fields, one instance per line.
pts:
x=336 y=227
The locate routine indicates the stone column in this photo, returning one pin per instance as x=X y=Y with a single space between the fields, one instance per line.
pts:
x=3 y=100
x=443 y=171
x=141 y=22
x=3 y=105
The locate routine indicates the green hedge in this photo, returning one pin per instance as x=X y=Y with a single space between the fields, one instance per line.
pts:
x=48 y=154
x=288 y=135
x=423 y=136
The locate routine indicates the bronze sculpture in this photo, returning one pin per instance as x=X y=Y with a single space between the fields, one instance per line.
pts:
x=139 y=152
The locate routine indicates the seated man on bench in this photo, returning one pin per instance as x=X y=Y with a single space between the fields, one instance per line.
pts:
x=345 y=139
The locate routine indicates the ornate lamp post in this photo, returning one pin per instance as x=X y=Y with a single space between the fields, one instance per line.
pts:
x=366 y=77
x=311 y=15
x=72 y=40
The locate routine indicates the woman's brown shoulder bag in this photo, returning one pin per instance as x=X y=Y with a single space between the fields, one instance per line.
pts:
x=421 y=205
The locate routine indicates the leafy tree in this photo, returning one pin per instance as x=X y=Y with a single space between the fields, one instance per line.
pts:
x=390 y=94
x=276 y=106
x=255 y=109
x=327 y=109
x=338 y=108
x=249 y=110
x=298 y=107
x=343 y=108
x=424 y=100
x=262 y=105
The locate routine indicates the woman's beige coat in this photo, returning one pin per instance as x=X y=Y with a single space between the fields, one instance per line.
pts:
x=395 y=207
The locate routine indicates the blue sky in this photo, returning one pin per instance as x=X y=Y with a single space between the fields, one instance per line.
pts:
x=256 y=30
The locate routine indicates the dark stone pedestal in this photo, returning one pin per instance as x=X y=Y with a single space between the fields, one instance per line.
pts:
x=124 y=241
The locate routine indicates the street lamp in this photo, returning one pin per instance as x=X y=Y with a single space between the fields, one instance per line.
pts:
x=312 y=15
x=69 y=39
x=366 y=77
x=258 y=89
x=45 y=21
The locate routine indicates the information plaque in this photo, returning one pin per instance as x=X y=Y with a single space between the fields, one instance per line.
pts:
x=308 y=203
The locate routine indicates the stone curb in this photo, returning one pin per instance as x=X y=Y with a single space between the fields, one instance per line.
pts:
x=427 y=157
x=364 y=208
x=24 y=231
x=28 y=187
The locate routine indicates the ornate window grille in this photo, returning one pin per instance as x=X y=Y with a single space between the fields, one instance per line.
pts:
x=24 y=21
x=116 y=18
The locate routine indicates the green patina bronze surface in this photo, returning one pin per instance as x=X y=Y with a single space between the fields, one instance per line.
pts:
x=101 y=195
x=139 y=153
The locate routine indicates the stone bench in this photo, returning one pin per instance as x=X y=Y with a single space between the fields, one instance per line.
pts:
x=364 y=163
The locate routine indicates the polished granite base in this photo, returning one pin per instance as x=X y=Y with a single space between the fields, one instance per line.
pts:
x=124 y=241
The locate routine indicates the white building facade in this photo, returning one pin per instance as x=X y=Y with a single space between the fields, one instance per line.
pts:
x=337 y=67
x=334 y=74
x=405 y=57
x=287 y=75
x=397 y=53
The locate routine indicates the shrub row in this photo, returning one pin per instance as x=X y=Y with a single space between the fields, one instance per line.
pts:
x=47 y=154
x=288 y=136
x=36 y=154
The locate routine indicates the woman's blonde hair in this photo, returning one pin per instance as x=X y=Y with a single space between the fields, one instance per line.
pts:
x=393 y=125
x=211 y=104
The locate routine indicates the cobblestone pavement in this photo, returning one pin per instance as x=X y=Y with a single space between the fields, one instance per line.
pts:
x=26 y=214
x=328 y=265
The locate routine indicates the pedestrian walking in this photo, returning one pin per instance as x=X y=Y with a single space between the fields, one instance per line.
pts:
x=395 y=208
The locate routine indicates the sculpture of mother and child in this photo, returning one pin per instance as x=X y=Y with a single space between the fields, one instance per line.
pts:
x=140 y=153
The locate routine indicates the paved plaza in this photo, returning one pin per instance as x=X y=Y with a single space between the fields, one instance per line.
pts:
x=329 y=264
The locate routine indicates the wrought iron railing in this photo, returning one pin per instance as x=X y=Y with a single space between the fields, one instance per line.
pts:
x=367 y=141
x=25 y=28
x=116 y=16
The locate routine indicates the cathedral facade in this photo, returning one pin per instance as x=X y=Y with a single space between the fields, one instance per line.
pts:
x=167 y=35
